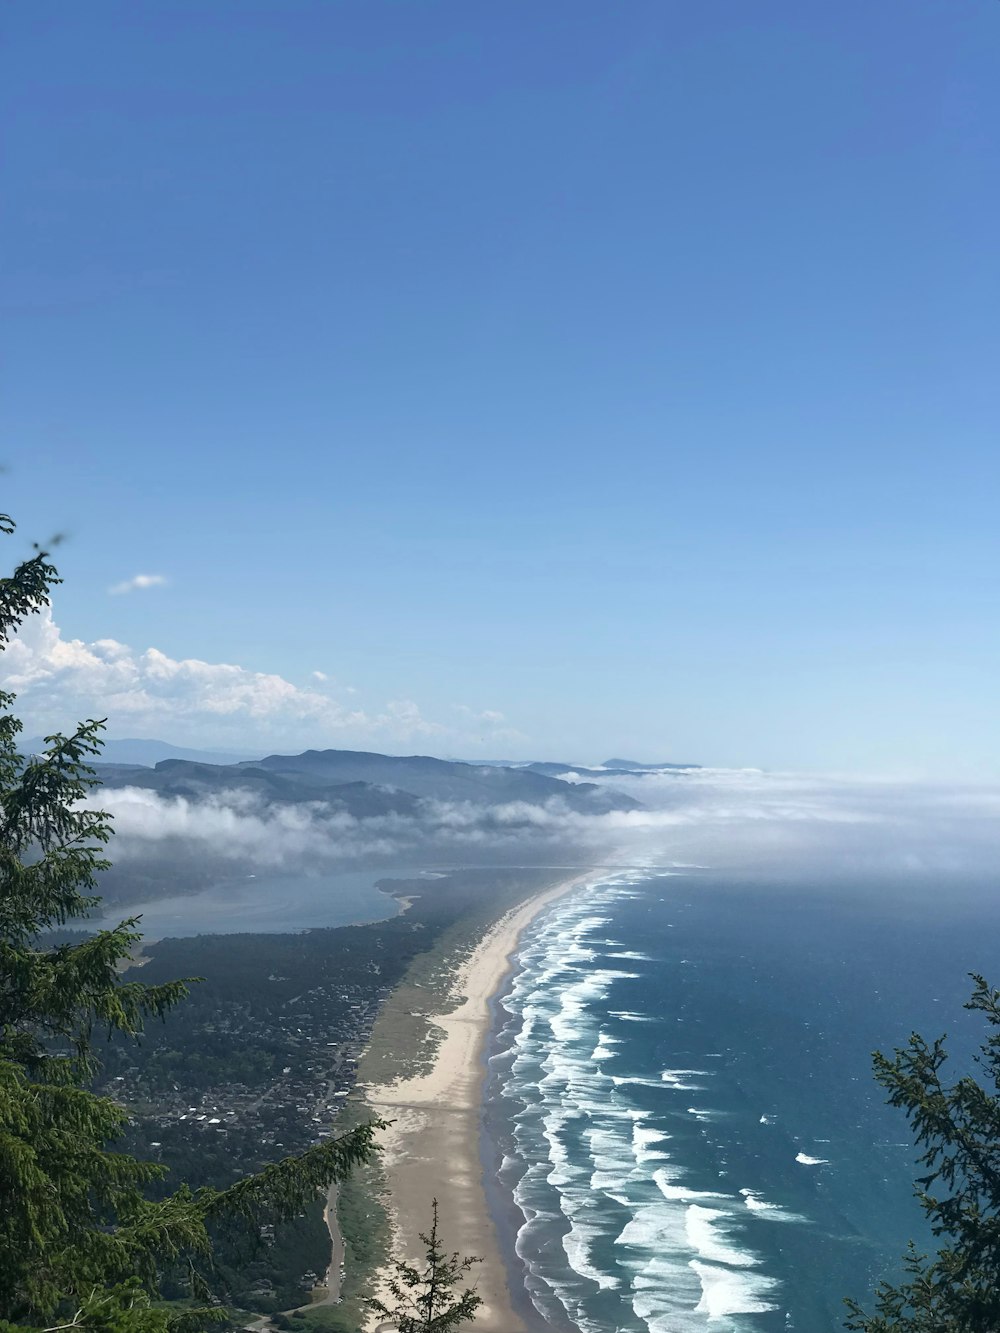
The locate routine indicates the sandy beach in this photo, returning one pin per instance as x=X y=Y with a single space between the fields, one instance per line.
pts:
x=432 y=1149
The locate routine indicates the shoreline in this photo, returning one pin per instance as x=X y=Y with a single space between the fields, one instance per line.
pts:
x=433 y=1148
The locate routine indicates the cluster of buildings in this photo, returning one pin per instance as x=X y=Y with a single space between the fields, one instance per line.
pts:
x=319 y=1035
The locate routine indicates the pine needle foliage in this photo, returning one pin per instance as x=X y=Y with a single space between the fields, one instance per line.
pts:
x=425 y=1297
x=957 y=1126
x=81 y=1244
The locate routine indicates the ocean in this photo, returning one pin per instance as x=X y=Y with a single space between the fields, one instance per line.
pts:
x=680 y=1105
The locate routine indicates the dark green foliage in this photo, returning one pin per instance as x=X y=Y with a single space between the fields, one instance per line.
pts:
x=365 y=1230
x=957 y=1125
x=83 y=1240
x=425 y=1298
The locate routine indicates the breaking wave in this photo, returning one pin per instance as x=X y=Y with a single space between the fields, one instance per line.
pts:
x=615 y=1230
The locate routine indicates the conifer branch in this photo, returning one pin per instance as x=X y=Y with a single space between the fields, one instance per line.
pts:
x=78 y=1230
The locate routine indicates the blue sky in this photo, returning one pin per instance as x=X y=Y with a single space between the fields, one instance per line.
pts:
x=628 y=371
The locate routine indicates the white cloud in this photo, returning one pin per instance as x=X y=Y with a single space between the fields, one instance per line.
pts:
x=789 y=828
x=60 y=680
x=139 y=581
x=488 y=724
x=321 y=676
x=487 y=715
x=404 y=715
x=239 y=829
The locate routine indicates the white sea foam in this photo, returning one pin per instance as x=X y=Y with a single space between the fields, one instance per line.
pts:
x=608 y=1181
x=603 y=1050
x=767 y=1120
x=673 y=1292
x=654 y=1228
x=507 y=1166
x=665 y=1292
x=643 y=1140
x=571 y=1020
x=679 y=1079
x=608 y=1141
x=706 y=1230
x=728 y=1292
x=666 y=1183
x=676 y=1253
x=563 y=1176
x=805 y=1160
x=771 y=1212
x=590 y=923
x=612 y=1160
x=577 y=1245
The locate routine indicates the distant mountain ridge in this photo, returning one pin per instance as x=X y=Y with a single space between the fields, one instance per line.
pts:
x=365 y=783
x=149 y=752
x=443 y=779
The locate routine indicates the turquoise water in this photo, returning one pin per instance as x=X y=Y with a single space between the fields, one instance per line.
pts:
x=681 y=1092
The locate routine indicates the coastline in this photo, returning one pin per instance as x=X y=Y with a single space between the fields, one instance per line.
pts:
x=433 y=1148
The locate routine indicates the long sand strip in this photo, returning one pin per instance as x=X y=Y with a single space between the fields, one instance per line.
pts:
x=432 y=1149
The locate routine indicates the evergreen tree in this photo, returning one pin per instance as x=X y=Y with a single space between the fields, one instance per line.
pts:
x=425 y=1298
x=81 y=1245
x=958 y=1127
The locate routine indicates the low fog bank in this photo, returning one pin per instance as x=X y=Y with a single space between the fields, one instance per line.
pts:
x=813 y=826
x=743 y=824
